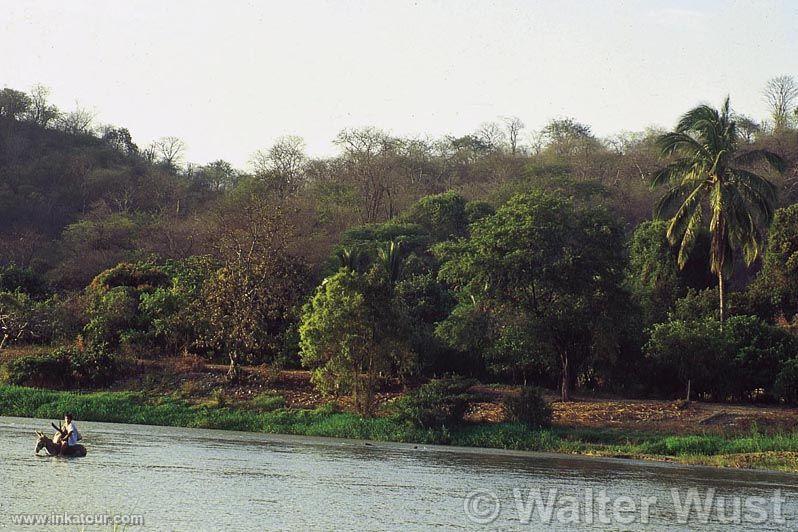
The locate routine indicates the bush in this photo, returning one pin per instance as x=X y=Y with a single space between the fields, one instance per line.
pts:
x=528 y=407
x=740 y=361
x=65 y=368
x=437 y=404
x=114 y=305
x=45 y=370
x=25 y=280
x=94 y=367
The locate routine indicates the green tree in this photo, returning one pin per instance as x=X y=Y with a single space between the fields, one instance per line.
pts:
x=351 y=332
x=444 y=215
x=553 y=266
x=114 y=298
x=710 y=172
x=775 y=290
x=653 y=275
x=738 y=361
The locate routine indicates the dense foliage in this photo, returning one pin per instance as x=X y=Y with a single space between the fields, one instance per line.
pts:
x=404 y=259
x=528 y=407
x=437 y=404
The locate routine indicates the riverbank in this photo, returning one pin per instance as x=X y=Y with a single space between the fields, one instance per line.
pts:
x=750 y=450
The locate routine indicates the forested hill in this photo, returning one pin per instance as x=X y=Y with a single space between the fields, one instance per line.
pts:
x=77 y=197
x=506 y=254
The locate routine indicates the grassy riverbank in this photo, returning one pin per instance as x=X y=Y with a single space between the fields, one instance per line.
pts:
x=752 y=450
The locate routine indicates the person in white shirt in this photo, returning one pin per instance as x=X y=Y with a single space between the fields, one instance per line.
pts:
x=69 y=434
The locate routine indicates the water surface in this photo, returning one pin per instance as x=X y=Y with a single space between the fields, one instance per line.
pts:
x=189 y=479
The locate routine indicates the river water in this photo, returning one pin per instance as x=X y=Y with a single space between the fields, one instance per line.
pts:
x=189 y=479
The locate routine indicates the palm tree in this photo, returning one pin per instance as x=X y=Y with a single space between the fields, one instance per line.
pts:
x=350 y=258
x=391 y=258
x=714 y=173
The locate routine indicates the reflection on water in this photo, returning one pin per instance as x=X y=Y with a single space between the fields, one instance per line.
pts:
x=187 y=479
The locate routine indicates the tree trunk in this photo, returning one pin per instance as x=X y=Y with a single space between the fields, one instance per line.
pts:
x=565 y=389
x=232 y=372
x=720 y=294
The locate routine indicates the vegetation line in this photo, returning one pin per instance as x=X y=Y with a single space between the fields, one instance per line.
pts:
x=753 y=450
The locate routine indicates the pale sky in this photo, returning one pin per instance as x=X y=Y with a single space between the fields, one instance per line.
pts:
x=228 y=77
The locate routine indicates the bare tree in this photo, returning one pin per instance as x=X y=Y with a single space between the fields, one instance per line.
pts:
x=492 y=135
x=369 y=162
x=781 y=94
x=41 y=112
x=249 y=303
x=81 y=120
x=537 y=140
x=168 y=151
x=514 y=125
x=282 y=165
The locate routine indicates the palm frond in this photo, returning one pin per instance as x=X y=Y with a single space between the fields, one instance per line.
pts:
x=685 y=213
x=690 y=236
x=679 y=141
x=673 y=172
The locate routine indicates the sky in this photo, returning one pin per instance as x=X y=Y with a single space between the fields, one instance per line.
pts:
x=229 y=77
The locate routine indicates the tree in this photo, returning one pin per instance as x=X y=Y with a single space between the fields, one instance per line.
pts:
x=442 y=215
x=79 y=121
x=217 y=176
x=120 y=139
x=352 y=331
x=513 y=125
x=13 y=103
x=711 y=172
x=654 y=277
x=550 y=271
x=114 y=297
x=41 y=112
x=369 y=162
x=390 y=257
x=168 y=151
x=252 y=301
x=567 y=137
x=737 y=362
x=781 y=94
x=282 y=165
x=775 y=290
x=492 y=135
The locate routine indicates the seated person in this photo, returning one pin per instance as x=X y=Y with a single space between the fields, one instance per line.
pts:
x=69 y=434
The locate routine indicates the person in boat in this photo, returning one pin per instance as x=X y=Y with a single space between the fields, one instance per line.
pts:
x=69 y=434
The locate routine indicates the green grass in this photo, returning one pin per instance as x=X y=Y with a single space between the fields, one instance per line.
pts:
x=267 y=402
x=266 y=414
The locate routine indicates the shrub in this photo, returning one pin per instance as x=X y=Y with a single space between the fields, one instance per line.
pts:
x=114 y=305
x=437 y=404
x=65 y=368
x=740 y=361
x=528 y=407
x=94 y=367
x=46 y=370
x=16 y=279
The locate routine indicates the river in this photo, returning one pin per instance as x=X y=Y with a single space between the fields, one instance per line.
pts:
x=189 y=479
